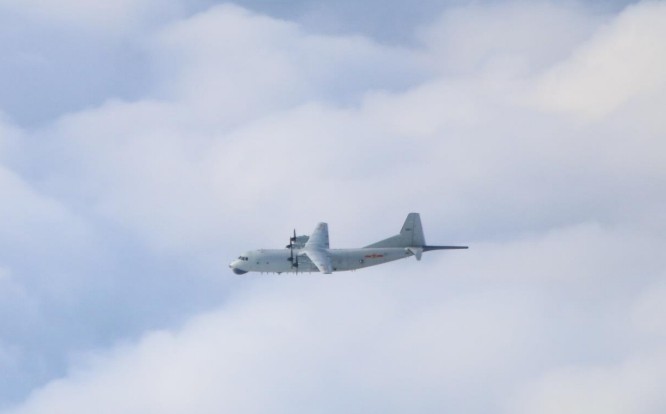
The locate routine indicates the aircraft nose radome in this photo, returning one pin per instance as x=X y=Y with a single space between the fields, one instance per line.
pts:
x=233 y=265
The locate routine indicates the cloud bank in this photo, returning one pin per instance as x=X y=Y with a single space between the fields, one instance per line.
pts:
x=533 y=133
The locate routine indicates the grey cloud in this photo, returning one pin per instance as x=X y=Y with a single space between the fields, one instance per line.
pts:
x=68 y=56
x=392 y=22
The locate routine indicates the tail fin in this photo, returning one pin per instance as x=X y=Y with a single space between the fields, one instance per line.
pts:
x=411 y=234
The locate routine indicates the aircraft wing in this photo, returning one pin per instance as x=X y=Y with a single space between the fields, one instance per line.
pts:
x=321 y=259
x=319 y=237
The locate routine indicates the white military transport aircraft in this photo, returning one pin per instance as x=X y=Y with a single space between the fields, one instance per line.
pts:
x=312 y=254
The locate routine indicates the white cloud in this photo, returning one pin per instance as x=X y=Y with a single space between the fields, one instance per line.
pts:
x=256 y=125
x=649 y=314
x=623 y=61
x=241 y=89
x=231 y=65
x=379 y=340
x=297 y=350
x=511 y=38
x=634 y=386
x=40 y=230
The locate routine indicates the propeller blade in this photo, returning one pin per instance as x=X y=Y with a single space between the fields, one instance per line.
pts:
x=290 y=246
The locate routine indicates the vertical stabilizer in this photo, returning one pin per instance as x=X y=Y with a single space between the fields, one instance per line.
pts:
x=412 y=230
x=411 y=234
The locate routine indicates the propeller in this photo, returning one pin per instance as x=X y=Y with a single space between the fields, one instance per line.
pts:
x=292 y=239
x=292 y=259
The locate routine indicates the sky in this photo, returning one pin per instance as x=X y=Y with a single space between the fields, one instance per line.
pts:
x=145 y=144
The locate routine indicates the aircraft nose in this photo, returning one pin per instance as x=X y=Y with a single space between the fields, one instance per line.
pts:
x=234 y=267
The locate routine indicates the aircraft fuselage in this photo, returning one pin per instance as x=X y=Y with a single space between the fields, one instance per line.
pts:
x=278 y=260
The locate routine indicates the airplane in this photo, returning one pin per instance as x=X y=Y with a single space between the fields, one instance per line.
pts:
x=312 y=254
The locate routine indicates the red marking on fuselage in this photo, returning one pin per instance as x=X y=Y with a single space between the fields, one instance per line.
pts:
x=373 y=256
